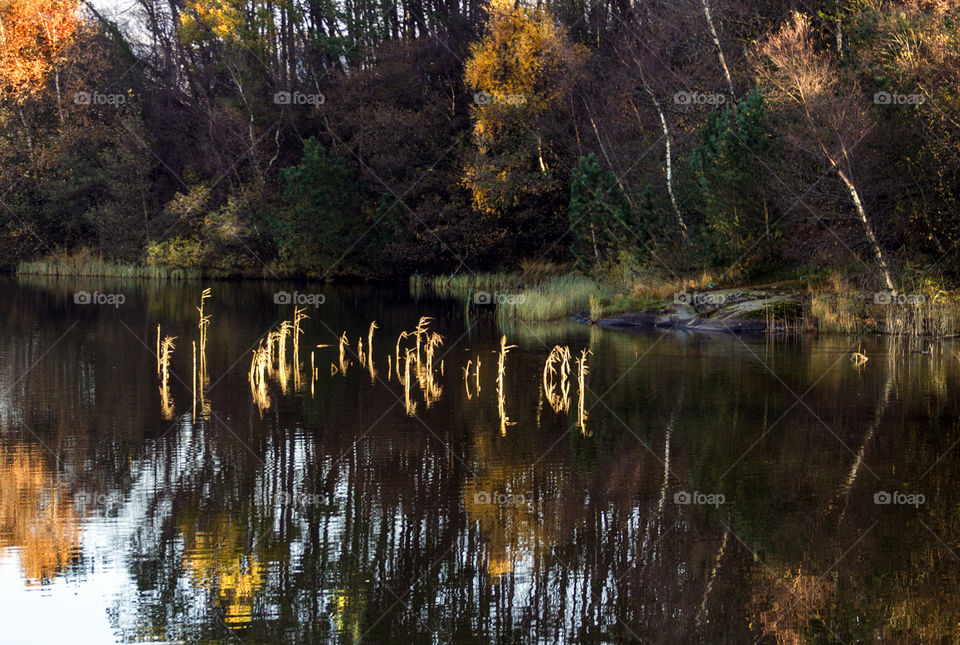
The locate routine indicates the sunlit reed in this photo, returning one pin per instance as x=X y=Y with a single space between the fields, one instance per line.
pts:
x=343 y=358
x=501 y=364
x=420 y=331
x=858 y=358
x=166 y=351
x=298 y=317
x=286 y=329
x=581 y=381
x=203 y=324
x=425 y=371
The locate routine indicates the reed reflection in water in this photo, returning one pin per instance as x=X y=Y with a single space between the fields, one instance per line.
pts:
x=354 y=509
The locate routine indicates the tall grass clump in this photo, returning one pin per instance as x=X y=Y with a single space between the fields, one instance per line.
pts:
x=553 y=299
x=462 y=285
x=924 y=307
x=833 y=306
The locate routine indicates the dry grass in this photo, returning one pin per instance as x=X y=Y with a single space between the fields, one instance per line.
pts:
x=834 y=307
x=655 y=287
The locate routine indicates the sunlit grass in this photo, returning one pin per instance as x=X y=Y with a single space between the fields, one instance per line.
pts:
x=462 y=285
x=99 y=269
x=553 y=299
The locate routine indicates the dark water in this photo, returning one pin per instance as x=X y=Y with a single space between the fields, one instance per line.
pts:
x=334 y=516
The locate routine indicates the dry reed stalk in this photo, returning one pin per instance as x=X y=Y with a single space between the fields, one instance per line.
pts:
x=581 y=380
x=501 y=366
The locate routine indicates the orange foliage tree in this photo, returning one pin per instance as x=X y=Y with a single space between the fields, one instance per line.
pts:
x=34 y=37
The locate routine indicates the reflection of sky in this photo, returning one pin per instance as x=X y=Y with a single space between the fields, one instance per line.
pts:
x=76 y=606
x=66 y=610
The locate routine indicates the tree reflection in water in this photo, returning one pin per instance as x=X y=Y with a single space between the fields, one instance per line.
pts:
x=335 y=516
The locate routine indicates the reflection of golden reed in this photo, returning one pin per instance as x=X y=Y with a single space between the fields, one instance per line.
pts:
x=411 y=406
x=370 y=368
x=400 y=339
x=466 y=379
x=477 y=368
x=259 y=367
x=559 y=401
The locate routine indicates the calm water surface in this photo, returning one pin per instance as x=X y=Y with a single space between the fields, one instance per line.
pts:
x=720 y=490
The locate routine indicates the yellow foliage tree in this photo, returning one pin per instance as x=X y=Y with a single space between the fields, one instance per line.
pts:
x=520 y=71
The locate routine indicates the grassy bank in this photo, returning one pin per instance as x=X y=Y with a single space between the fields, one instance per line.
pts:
x=830 y=302
x=87 y=268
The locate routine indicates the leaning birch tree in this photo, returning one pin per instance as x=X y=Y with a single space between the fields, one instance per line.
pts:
x=821 y=116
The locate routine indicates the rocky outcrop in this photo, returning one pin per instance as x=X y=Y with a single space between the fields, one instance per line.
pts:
x=730 y=311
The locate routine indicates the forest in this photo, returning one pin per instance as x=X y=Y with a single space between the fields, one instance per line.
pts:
x=628 y=141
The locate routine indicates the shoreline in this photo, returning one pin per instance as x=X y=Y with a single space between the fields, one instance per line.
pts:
x=733 y=311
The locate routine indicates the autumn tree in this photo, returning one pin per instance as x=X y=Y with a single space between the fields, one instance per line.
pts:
x=520 y=71
x=34 y=38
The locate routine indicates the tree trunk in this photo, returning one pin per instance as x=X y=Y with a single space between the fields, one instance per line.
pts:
x=854 y=196
x=669 y=159
x=26 y=132
x=716 y=41
x=56 y=85
x=868 y=229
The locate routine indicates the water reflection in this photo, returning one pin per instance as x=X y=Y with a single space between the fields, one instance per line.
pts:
x=691 y=489
x=37 y=515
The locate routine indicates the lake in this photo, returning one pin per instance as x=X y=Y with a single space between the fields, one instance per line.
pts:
x=694 y=488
